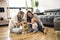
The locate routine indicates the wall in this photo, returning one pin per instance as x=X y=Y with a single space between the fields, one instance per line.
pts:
x=49 y=4
x=3 y=4
x=43 y=5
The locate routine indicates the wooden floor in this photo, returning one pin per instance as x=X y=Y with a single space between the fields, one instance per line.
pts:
x=5 y=35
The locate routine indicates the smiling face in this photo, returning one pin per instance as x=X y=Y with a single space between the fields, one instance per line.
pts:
x=21 y=14
x=30 y=14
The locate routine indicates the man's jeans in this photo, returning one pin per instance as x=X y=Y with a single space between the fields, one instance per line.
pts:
x=16 y=30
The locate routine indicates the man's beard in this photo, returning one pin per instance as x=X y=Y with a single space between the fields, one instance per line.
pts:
x=19 y=18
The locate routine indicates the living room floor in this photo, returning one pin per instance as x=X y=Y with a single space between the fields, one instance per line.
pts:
x=4 y=35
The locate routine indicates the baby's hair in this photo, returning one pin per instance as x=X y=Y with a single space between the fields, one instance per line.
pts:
x=34 y=19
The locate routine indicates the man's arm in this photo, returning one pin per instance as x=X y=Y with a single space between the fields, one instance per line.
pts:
x=17 y=24
x=11 y=24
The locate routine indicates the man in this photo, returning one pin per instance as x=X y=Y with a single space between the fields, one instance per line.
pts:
x=15 y=22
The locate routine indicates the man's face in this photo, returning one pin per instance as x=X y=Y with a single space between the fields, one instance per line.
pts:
x=29 y=14
x=20 y=15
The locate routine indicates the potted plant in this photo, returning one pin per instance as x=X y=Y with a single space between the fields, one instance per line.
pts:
x=36 y=5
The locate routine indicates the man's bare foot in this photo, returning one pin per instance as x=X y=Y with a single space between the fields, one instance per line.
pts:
x=45 y=30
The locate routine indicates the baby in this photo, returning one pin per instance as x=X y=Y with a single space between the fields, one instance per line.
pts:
x=34 y=25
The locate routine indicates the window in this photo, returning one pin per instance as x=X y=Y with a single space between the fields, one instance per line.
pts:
x=13 y=12
x=17 y=5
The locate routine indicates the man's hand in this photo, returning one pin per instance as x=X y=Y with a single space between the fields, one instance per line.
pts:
x=17 y=24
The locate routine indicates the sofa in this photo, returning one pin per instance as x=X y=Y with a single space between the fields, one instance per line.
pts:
x=57 y=23
x=49 y=15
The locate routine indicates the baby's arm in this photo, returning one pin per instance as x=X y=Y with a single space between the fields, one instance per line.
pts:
x=36 y=24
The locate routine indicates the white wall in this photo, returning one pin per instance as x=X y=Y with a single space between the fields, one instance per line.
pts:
x=3 y=14
x=43 y=5
x=49 y=4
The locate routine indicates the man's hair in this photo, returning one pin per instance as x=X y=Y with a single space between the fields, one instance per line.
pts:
x=20 y=12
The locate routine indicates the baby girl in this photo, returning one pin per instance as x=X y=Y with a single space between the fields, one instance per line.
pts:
x=34 y=25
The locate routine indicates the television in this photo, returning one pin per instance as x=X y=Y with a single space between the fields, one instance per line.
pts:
x=1 y=9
